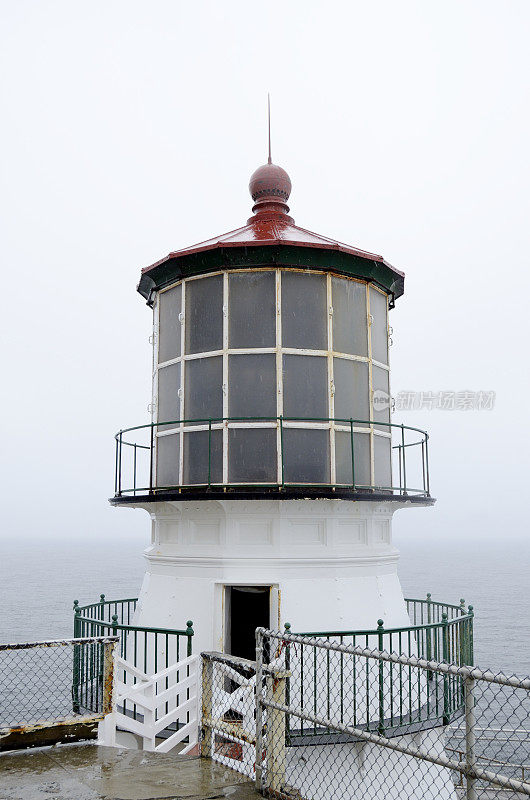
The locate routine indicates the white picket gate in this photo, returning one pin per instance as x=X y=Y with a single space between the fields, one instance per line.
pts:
x=168 y=697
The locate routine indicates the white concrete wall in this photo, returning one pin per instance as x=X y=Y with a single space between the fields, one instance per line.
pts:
x=332 y=564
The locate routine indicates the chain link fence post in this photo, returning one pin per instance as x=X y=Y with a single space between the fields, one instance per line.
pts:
x=276 y=748
x=445 y=657
x=107 y=727
x=258 y=767
x=207 y=708
x=469 y=695
x=381 y=692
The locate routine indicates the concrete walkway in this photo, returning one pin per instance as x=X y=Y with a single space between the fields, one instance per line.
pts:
x=90 y=772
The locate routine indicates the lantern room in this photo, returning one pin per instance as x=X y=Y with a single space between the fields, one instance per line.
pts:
x=271 y=367
x=241 y=351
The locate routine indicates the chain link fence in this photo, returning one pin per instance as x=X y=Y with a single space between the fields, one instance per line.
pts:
x=316 y=719
x=41 y=686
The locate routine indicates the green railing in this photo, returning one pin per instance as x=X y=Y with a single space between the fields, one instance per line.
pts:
x=387 y=698
x=148 y=649
x=349 y=458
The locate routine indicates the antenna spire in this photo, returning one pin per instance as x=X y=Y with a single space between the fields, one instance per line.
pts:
x=269 y=116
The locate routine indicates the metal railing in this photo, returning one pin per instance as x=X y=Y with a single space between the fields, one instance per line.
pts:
x=40 y=688
x=136 y=461
x=440 y=632
x=148 y=649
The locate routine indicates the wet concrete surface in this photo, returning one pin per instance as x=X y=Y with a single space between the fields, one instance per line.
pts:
x=92 y=772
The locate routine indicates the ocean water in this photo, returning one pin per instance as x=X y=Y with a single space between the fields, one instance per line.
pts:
x=40 y=578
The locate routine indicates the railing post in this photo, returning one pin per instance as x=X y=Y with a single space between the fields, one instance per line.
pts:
x=119 y=465
x=276 y=750
x=445 y=658
x=258 y=767
x=151 y=463
x=381 y=693
x=189 y=634
x=101 y=664
x=427 y=465
x=423 y=465
x=471 y=653
x=429 y=634
x=404 y=460
x=352 y=456
x=115 y=630
x=116 y=467
x=77 y=660
x=469 y=684
x=207 y=708
x=462 y=638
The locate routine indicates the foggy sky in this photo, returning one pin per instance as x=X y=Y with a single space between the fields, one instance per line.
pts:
x=130 y=129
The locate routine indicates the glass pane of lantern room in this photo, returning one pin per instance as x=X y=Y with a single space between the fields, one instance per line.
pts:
x=305 y=387
x=306 y=456
x=382 y=471
x=169 y=324
x=361 y=457
x=352 y=399
x=196 y=459
x=379 y=327
x=252 y=385
x=252 y=317
x=381 y=397
x=167 y=460
x=252 y=455
x=350 y=322
x=204 y=314
x=168 y=387
x=304 y=311
x=203 y=394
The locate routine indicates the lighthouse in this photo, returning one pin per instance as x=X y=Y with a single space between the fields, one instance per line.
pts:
x=271 y=469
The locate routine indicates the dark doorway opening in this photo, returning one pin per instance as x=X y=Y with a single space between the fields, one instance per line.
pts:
x=248 y=608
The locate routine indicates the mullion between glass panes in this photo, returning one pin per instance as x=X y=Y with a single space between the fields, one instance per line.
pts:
x=155 y=390
x=389 y=394
x=182 y=380
x=225 y=387
x=331 y=395
x=279 y=369
x=370 y=385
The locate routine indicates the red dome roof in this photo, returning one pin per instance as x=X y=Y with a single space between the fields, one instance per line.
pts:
x=271 y=226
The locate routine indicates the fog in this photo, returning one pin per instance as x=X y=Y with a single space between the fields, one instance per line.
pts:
x=130 y=129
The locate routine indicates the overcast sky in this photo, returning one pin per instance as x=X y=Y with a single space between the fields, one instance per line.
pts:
x=130 y=129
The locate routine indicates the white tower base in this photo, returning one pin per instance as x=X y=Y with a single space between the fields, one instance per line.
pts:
x=330 y=565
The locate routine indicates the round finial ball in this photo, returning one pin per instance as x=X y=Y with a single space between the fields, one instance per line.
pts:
x=270 y=181
x=380 y=623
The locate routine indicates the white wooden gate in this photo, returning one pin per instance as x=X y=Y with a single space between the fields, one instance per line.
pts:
x=153 y=703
